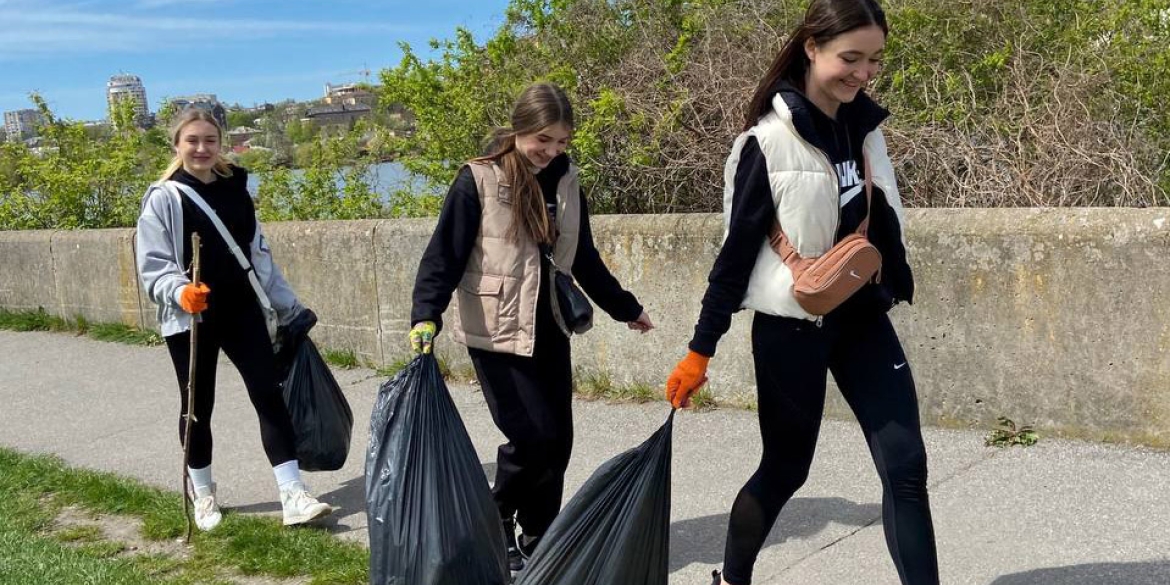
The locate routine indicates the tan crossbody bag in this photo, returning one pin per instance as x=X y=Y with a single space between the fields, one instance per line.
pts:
x=821 y=284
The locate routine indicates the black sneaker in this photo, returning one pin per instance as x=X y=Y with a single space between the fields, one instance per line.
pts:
x=528 y=545
x=515 y=557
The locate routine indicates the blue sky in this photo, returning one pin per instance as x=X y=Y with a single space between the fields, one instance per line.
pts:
x=245 y=51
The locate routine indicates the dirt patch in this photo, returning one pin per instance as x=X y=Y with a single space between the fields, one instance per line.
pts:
x=123 y=529
x=128 y=531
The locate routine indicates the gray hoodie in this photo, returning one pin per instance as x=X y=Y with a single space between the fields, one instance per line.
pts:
x=159 y=250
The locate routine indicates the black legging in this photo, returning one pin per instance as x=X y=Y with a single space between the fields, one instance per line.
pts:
x=531 y=401
x=792 y=358
x=239 y=330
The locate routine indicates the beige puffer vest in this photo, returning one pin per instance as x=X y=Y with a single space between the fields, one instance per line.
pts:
x=494 y=306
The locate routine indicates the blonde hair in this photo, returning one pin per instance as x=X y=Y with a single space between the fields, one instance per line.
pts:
x=539 y=106
x=221 y=167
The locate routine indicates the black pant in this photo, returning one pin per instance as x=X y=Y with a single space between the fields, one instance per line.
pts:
x=531 y=400
x=240 y=331
x=792 y=358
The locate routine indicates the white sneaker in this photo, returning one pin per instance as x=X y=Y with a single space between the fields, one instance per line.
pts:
x=207 y=514
x=300 y=507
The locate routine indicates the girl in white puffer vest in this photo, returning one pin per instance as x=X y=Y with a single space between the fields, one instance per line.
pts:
x=810 y=131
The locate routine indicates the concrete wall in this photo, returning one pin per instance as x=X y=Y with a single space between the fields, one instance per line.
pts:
x=26 y=271
x=1056 y=318
x=399 y=246
x=331 y=265
x=95 y=276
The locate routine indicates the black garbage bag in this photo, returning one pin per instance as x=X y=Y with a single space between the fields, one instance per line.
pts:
x=617 y=528
x=321 y=417
x=288 y=341
x=430 y=512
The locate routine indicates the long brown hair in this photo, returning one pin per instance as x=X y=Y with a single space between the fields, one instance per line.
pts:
x=221 y=166
x=823 y=21
x=539 y=106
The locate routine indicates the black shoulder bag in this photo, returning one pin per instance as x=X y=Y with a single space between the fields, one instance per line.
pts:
x=576 y=313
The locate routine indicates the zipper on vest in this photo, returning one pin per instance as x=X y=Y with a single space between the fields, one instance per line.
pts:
x=836 y=182
x=820 y=321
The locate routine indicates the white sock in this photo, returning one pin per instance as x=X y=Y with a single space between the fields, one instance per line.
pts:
x=200 y=481
x=288 y=474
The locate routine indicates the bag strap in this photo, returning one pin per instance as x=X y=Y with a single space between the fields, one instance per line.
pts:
x=864 y=226
x=229 y=240
x=547 y=251
x=779 y=242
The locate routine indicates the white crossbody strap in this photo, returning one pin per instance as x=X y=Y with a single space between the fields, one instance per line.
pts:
x=262 y=296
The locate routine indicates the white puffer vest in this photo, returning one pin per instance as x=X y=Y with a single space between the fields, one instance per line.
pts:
x=805 y=192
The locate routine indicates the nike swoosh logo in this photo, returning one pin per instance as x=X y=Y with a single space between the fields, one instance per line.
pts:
x=853 y=273
x=899 y=366
x=848 y=196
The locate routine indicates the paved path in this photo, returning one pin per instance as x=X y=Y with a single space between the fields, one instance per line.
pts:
x=1063 y=513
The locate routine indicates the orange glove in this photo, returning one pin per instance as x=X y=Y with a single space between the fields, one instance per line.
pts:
x=688 y=376
x=193 y=298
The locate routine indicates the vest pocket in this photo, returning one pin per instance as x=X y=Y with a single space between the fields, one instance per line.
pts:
x=479 y=304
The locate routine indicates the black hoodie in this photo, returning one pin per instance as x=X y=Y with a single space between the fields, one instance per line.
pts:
x=229 y=198
x=753 y=212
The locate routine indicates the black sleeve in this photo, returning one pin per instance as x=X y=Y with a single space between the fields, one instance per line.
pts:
x=445 y=258
x=595 y=277
x=752 y=214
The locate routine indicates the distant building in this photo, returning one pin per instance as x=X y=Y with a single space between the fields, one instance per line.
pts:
x=348 y=95
x=21 y=124
x=255 y=113
x=339 y=115
x=203 y=101
x=129 y=87
x=240 y=136
x=289 y=112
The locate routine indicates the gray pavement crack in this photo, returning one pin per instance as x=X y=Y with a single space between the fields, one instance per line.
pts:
x=931 y=487
x=365 y=379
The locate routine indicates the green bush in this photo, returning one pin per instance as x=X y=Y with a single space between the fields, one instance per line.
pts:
x=1049 y=102
x=994 y=103
x=75 y=180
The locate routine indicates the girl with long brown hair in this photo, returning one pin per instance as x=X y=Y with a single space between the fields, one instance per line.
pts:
x=511 y=217
x=812 y=164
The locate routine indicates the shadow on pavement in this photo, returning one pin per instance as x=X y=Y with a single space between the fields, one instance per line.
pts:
x=1147 y=573
x=701 y=540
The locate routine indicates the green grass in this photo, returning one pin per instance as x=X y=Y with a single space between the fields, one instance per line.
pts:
x=79 y=534
x=39 y=320
x=600 y=386
x=1007 y=434
x=705 y=399
x=102 y=550
x=396 y=365
x=342 y=358
x=29 y=558
x=35 y=488
x=119 y=333
x=590 y=385
x=31 y=555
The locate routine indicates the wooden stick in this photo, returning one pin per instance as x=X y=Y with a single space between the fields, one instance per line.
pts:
x=189 y=488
